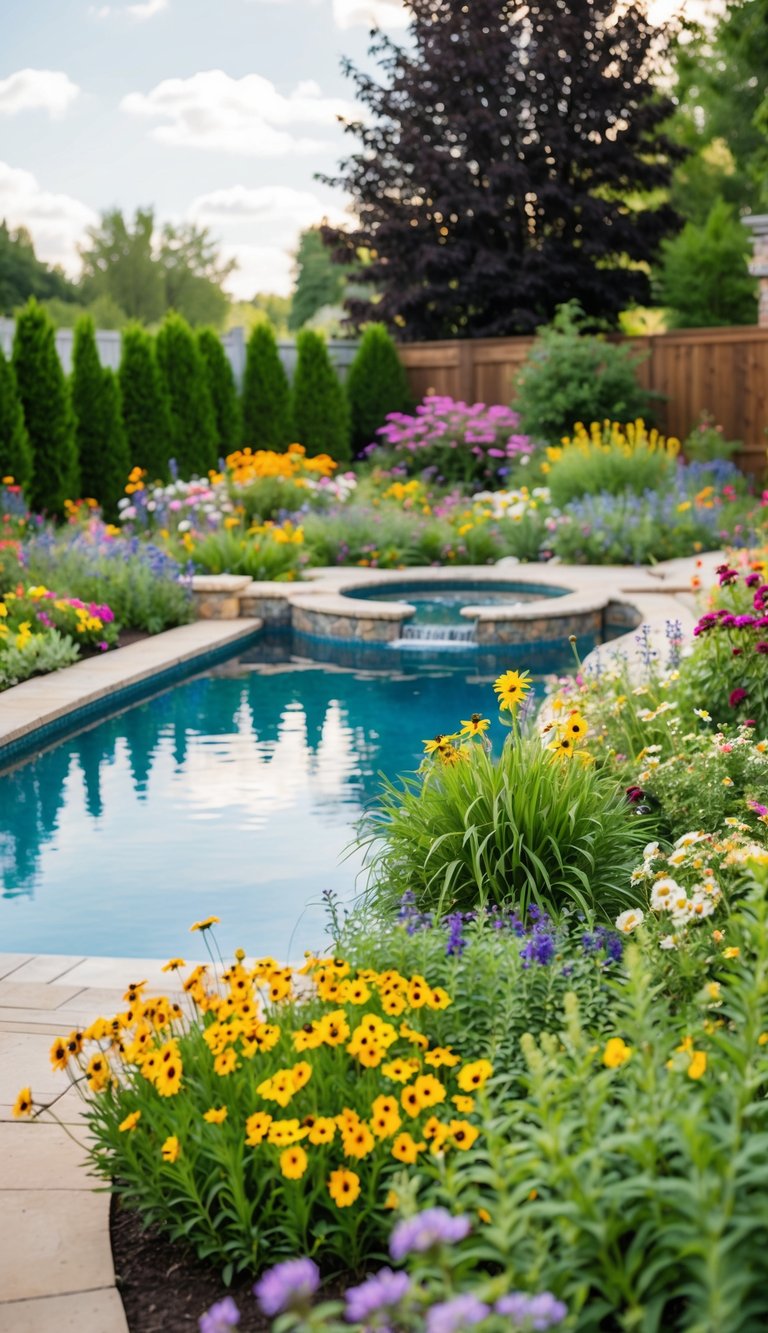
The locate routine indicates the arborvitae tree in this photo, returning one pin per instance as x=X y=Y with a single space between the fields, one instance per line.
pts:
x=498 y=159
x=221 y=384
x=146 y=414
x=101 y=440
x=15 y=449
x=267 y=422
x=704 y=278
x=193 y=424
x=320 y=408
x=376 y=384
x=44 y=396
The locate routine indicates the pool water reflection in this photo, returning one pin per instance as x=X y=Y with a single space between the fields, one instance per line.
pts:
x=235 y=793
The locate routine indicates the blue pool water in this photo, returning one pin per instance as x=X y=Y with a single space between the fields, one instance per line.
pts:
x=440 y=603
x=235 y=792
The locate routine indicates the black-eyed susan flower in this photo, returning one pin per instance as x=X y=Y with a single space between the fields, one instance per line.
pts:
x=410 y=1101
x=205 y=924
x=358 y=1141
x=171 y=1149
x=284 y=1133
x=293 y=1163
x=473 y=1076
x=75 y=1043
x=476 y=725
x=23 y=1105
x=406 y=1149
x=173 y=965
x=438 y=743
x=463 y=1104
x=441 y=1055
x=322 y=1131
x=462 y=1134
x=169 y=1071
x=300 y=1074
x=226 y=1063
x=216 y=1116
x=385 y=1117
x=97 y=1073
x=429 y=1090
x=59 y=1054
x=398 y=1070
x=511 y=689
x=130 y=1122
x=343 y=1187
x=257 y=1128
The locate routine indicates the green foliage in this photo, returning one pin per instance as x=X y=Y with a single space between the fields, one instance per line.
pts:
x=23 y=275
x=44 y=396
x=704 y=278
x=572 y=376
x=260 y=556
x=35 y=656
x=194 y=275
x=15 y=449
x=707 y=442
x=320 y=408
x=376 y=384
x=522 y=828
x=221 y=383
x=192 y=419
x=319 y=281
x=267 y=420
x=607 y=465
x=101 y=441
x=146 y=412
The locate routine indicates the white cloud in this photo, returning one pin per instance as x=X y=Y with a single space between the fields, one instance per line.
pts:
x=261 y=268
x=147 y=10
x=37 y=90
x=56 y=222
x=249 y=116
x=266 y=204
x=370 y=13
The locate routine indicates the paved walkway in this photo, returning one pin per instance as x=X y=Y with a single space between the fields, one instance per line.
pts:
x=56 y=1271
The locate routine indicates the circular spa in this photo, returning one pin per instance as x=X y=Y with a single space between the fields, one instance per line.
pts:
x=442 y=610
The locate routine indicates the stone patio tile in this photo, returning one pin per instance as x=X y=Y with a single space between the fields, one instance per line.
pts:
x=117 y=973
x=10 y=961
x=86 y=1312
x=46 y=967
x=32 y=1020
x=24 y=1063
x=53 y=1242
x=69 y=1109
x=35 y=995
x=35 y=1155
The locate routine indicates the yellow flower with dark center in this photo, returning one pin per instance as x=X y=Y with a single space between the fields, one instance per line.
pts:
x=75 y=1043
x=216 y=1115
x=284 y=1133
x=293 y=1163
x=392 y=1003
x=130 y=1122
x=371 y=1056
x=257 y=1127
x=414 y=1037
x=575 y=727
x=343 y=1187
x=301 y=1073
x=429 y=1090
x=476 y=725
x=23 y=1104
x=616 y=1053
x=358 y=1142
x=205 y=924
x=463 y=1104
x=417 y=993
x=97 y=1073
x=463 y=1134
x=439 y=743
x=169 y=1071
x=173 y=965
x=399 y=1070
x=410 y=1101
x=226 y=1063
x=563 y=747
x=406 y=1149
x=322 y=1131
x=59 y=1055
x=308 y=1037
x=385 y=1117
x=511 y=689
x=171 y=1149
x=438 y=998
x=474 y=1076
x=441 y=1055
x=334 y=1028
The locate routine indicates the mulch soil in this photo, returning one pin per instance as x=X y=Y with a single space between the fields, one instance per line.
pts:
x=164 y=1287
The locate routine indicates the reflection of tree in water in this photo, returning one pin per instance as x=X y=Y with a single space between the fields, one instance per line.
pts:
x=382 y=718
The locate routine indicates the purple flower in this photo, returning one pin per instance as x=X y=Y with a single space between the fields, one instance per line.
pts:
x=221 y=1317
x=435 y=1226
x=461 y=1312
x=377 y=1294
x=287 y=1286
x=532 y=1312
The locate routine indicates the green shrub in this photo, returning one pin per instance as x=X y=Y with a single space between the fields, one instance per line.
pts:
x=221 y=384
x=610 y=459
x=48 y=415
x=101 y=440
x=146 y=412
x=707 y=442
x=537 y=825
x=35 y=656
x=15 y=449
x=704 y=279
x=376 y=384
x=267 y=421
x=193 y=424
x=573 y=376
x=260 y=555
x=320 y=408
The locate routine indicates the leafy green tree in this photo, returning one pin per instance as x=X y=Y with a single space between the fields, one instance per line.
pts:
x=45 y=401
x=15 y=449
x=146 y=412
x=320 y=408
x=267 y=419
x=223 y=391
x=23 y=275
x=194 y=274
x=119 y=262
x=193 y=423
x=376 y=384
x=319 y=281
x=101 y=439
x=704 y=277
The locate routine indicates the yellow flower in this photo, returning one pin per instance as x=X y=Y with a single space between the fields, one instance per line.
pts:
x=463 y=1134
x=438 y=998
x=473 y=1076
x=322 y=1130
x=439 y=743
x=59 y=1054
x=429 y=1090
x=698 y=1064
x=385 y=1118
x=441 y=1055
x=97 y=1073
x=398 y=1070
x=512 y=688
x=206 y=923
x=483 y=1215
x=171 y=1149
x=358 y=1140
x=343 y=1187
x=293 y=1163
x=476 y=725
x=616 y=1052
x=464 y=1104
x=301 y=1074
x=256 y=1128
x=284 y=1133
x=225 y=1063
x=406 y=1149
x=130 y=1122
x=216 y=1115
x=173 y=965
x=410 y=1101
x=23 y=1104
x=731 y=953
x=392 y=1200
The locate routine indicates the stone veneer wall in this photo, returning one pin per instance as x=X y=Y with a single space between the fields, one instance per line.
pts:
x=544 y=628
x=360 y=628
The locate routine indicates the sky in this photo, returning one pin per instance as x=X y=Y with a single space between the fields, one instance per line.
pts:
x=213 y=111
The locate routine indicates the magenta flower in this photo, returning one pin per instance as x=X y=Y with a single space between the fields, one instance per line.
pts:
x=737 y=696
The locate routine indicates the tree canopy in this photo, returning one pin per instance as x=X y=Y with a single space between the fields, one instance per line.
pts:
x=23 y=275
x=319 y=281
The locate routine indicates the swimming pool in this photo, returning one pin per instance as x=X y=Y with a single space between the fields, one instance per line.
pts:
x=235 y=792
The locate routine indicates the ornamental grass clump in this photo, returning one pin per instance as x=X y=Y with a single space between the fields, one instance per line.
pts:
x=609 y=458
x=265 y=1112
x=537 y=824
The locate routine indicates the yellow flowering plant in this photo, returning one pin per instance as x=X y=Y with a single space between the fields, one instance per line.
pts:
x=266 y=1110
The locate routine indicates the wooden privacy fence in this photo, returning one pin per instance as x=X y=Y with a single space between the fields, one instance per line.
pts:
x=721 y=371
